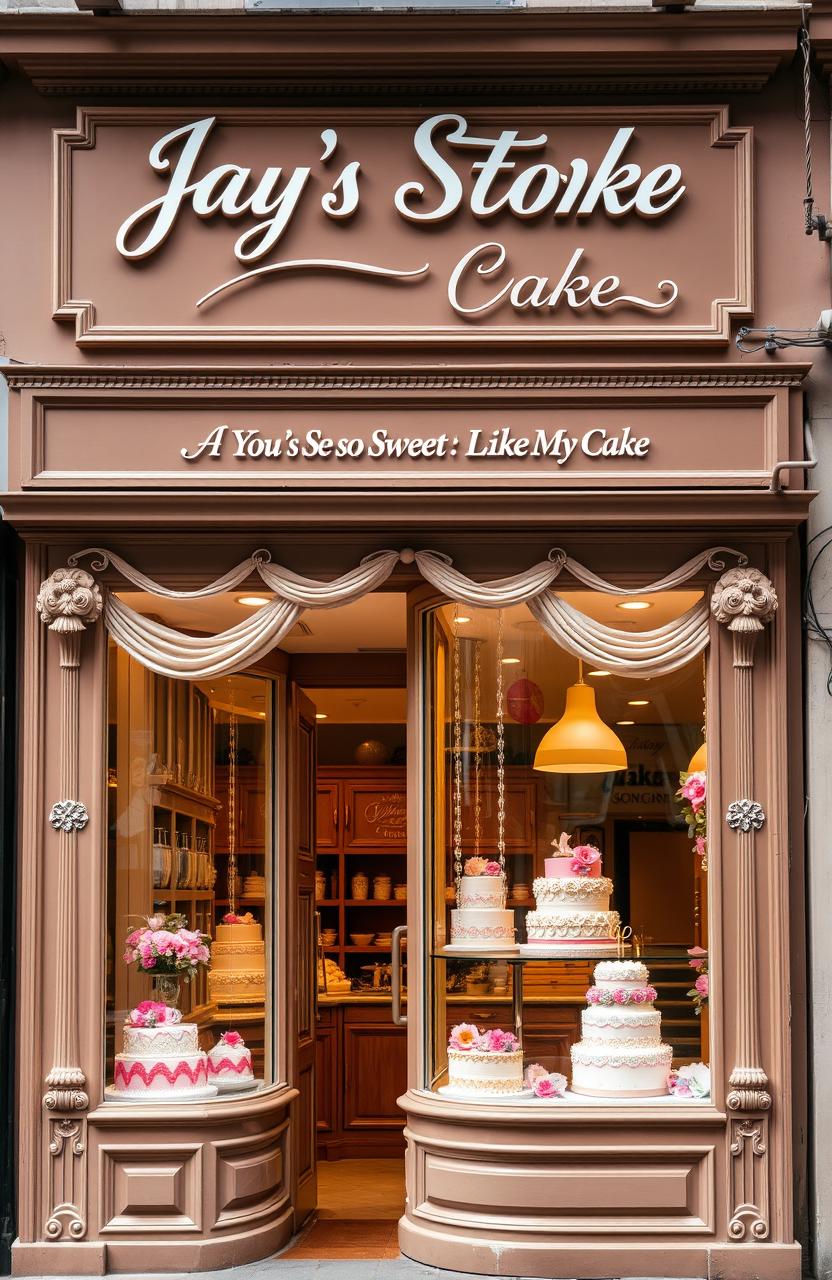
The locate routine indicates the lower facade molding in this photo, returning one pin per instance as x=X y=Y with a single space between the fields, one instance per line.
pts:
x=563 y=1259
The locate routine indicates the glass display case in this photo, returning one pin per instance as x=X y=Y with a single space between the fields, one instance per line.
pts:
x=566 y=908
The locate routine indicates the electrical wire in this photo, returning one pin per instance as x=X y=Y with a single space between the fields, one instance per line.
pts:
x=773 y=339
x=814 y=628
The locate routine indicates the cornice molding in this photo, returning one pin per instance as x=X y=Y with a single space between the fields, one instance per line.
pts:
x=762 y=376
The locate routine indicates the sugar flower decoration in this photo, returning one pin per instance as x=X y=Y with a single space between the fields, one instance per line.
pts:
x=464 y=1036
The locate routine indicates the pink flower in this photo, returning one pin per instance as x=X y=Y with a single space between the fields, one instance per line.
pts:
x=699 y=956
x=230 y=918
x=533 y=1073
x=493 y=869
x=699 y=846
x=638 y=996
x=678 y=1086
x=619 y=996
x=584 y=858
x=694 y=790
x=550 y=1086
x=232 y=1038
x=701 y=984
x=497 y=1041
x=593 y=995
x=464 y=1036
x=474 y=866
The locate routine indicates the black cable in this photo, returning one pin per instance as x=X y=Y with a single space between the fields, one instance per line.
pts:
x=811 y=619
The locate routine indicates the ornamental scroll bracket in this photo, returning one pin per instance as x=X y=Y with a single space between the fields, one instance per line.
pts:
x=68 y=601
x=744 y=601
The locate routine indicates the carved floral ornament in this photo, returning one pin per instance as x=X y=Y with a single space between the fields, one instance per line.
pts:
x=68 y=600
x=68 y=815
x=744 y=600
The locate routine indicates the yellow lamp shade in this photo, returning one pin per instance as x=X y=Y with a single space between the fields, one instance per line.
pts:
x=699 y=760
x=580 y=742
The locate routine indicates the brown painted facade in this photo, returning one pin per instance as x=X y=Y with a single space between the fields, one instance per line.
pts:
x=371 y=322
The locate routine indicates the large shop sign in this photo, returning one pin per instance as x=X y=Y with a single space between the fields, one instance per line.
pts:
x=609 y=225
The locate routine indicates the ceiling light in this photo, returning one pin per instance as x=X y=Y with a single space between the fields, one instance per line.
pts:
x=599 y=673
x=461 y=619
x=639 y=702
x=262 y=715
x=580 y=742
x=509 y=662
x=625 y=722
x=321 y=715
x=634 y=605
x=253 y=601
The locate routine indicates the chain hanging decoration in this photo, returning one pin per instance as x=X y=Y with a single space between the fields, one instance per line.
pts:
x=232 y=808
x=501 y=754
x=811 y=221
x=478 y=747
x=457 y=746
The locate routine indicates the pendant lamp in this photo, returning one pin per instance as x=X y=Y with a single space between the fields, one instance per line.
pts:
x=580 y=742
x=699 y=760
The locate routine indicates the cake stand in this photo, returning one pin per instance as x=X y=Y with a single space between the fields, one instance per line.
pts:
x=112 y=1094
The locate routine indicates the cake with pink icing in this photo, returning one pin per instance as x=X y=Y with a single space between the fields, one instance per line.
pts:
x=229 y=1063
x=481 y=921
x=620 y=1054
x=572 y=903
x=161 y=1060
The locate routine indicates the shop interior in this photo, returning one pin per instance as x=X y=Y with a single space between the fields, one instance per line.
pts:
x=194 y=820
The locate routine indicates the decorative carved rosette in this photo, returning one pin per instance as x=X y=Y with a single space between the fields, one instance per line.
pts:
x=68 y=600
x=744 y=600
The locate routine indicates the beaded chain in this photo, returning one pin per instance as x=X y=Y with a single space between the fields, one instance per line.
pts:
x=501 y=751
x=232 y=808
x=457 y=788
x=478 y=748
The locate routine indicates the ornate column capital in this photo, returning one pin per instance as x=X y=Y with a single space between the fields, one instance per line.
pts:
x=68 y=600
x=744 y=600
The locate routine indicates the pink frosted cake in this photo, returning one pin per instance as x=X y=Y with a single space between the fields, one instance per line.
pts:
x=229 y=1063
x=572 y=903
x=161 y=1059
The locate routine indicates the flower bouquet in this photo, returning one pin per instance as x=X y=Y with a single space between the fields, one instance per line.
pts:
x=693 y=1081
x=693 y=794
x=466 y=1036
x=168 y=950
x=700 y=990
x=482 y=867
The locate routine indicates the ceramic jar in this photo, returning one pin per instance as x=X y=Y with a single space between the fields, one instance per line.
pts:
x=360 y=885
x=382 y=888
x=320 y=885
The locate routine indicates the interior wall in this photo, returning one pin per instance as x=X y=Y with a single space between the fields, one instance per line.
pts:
x=661 y=886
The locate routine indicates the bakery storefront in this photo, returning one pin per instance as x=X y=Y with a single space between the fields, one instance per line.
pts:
x=410 y=749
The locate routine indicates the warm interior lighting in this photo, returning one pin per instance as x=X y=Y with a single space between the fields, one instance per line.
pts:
x=625 y=722
x=639 y=702
x=253 y=601
x=580 y=742
x=510 y=662
x=633 y=605
x=321 y=715
x=599 y=673
x=699 y=760
x=461 y=619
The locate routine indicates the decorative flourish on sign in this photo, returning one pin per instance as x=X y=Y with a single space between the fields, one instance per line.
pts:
x=68 y=815
x=745 y=815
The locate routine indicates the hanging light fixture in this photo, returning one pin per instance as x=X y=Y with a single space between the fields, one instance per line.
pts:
x=580 y=742
x=699 y=760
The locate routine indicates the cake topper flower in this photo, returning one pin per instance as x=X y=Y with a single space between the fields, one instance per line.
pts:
x=464 y=1036
x=475 y=866
x=151 y=1013
x=231 y=1038
x=584 y=858
x=493 y=869
x=497 y=1041
x=561 y=843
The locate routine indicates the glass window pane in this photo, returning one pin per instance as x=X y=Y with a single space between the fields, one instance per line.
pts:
x=190 y=853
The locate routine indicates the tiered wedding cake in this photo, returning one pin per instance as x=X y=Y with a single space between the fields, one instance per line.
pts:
x=572 y=903
x=621 y=1054
x=484 y=1062
x=481 y=921
x=238 y=962
x=161 y=1059
x=229 y=1063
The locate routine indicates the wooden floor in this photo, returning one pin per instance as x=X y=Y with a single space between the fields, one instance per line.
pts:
x=359 y=1205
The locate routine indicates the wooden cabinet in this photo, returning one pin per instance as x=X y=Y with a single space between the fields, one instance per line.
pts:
x=327 y=830
x=252 y=818
x=362 y=1070
x=520 y=819
x=375 y=815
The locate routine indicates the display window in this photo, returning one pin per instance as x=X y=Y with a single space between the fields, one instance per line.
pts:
x=189 y=884
x=566 y=867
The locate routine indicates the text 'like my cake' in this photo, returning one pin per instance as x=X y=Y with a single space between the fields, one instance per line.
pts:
x=572 y=902
x=481 y=921
x=161 y=1059
x=238 y=962
x=484 y=1062
x=620 y=1053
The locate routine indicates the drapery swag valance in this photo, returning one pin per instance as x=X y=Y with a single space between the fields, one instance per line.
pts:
x=173 y=653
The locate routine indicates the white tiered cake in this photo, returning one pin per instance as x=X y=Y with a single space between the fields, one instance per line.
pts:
x=620 y=1054
x=481 y=921
x=484 y=1063
x=572 y=903
x=229 y=1063
x=238 y=962
x=161 y=1059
